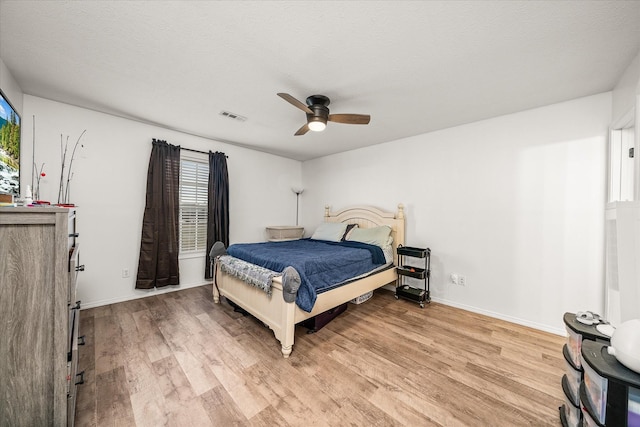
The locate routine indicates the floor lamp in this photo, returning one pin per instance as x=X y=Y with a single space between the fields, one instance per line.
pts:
x=298 y=192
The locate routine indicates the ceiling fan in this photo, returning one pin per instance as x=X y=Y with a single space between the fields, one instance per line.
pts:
x=318 y=114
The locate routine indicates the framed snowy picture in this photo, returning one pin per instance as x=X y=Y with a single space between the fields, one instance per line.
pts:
x=9 y=148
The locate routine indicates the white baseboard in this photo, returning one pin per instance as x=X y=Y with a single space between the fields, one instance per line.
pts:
x=516 y=320
x=142 y=294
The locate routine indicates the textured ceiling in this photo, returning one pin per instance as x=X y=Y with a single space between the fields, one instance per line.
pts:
x=414 y=66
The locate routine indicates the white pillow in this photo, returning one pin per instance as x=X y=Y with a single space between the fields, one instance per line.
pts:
x=387 y=251
x=331 y=231
x=378 y=236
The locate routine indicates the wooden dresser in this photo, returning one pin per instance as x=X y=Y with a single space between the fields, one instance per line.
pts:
x=39 y=316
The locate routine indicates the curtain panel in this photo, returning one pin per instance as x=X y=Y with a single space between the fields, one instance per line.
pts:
x=159 y=248
x=218 y=204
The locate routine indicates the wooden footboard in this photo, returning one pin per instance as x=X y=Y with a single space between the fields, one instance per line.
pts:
x=281 y=316
x=271 y=310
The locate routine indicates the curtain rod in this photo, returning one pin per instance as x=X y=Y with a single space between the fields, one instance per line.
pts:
x=190 y=149
x=198 y=151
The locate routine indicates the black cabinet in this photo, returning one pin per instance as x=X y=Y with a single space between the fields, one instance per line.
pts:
x=599 y=391
x=409 y=270
x=610 y=392
x=572 y=381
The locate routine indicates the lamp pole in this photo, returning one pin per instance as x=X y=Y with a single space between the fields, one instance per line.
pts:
x=298 y=192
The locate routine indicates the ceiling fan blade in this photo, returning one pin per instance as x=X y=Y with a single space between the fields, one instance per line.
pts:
x=350 y=119
x=291 y=100
x=304 y=129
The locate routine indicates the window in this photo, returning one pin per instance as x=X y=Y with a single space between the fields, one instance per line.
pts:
x=194 y=176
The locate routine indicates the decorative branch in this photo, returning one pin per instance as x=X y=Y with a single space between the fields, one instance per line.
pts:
x=63 y=192
x=63 y=156
x=33 y=150
x=39 y=174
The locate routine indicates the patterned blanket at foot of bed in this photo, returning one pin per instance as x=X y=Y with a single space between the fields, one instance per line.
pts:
x=252 y=274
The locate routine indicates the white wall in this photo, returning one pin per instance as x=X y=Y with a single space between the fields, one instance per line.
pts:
x=10 y=88
x=514 y=203
x=626 y=90
x=109 y=188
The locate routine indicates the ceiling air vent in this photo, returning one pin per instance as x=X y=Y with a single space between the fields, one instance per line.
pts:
x=233 y=116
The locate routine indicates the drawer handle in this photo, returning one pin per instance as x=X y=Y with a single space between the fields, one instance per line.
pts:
x=74 y=235
x=81 y=340
x=80 y=268
x=81 y=375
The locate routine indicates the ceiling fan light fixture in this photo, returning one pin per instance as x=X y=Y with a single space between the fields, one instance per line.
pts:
x=316 y=123
x=317 y=126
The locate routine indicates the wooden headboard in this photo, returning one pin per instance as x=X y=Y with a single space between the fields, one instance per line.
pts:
x=367 y=217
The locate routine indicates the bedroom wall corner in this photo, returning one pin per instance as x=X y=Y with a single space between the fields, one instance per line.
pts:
x=626 y=90
x=11 y=88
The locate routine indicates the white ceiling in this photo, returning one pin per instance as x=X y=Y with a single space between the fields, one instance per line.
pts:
x=414 y=66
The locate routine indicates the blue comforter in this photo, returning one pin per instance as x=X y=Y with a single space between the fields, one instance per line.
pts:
x=321 y=264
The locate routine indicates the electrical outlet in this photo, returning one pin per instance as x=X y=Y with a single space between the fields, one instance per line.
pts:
x=125 y=273
x=462 y=280
x=454 y=278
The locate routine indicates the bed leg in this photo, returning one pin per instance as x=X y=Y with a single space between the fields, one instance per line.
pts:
x=287 y=333
x=286 y=351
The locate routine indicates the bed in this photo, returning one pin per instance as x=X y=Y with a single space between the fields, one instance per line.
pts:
x=281 y=316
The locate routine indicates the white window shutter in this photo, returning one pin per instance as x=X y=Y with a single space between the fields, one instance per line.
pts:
x=194 y=176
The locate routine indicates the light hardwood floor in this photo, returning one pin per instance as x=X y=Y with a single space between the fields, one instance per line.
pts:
x=178 y=359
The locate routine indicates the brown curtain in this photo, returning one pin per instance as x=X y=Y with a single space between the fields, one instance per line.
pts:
x=158 y=263
x=218 y=204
